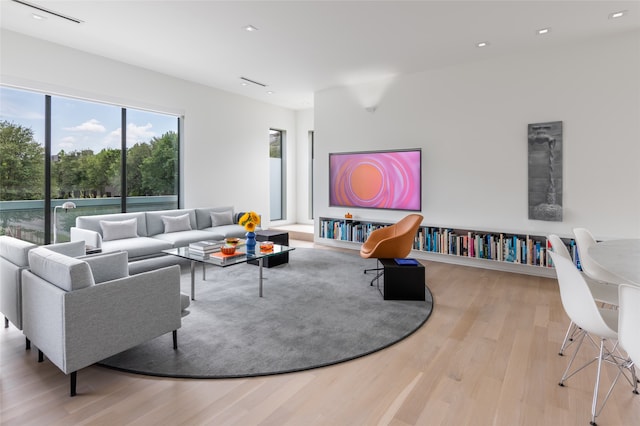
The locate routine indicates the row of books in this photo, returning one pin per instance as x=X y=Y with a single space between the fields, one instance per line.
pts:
x=502 y=247
x=522 y=249
x=347 y=230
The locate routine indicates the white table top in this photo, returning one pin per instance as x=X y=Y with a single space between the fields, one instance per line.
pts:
x=620 y=257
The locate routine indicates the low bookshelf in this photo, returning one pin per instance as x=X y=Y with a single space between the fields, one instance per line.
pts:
x=512 y=252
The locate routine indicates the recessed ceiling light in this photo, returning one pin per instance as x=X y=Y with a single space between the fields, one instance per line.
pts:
x=543 y=31
x=244 y=84
x=616 y=15
x=250 y=28
x=270 y=92
x=482 y=44
x=38 y=17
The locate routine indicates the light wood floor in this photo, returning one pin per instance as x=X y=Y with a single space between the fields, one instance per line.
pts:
x=487 y=356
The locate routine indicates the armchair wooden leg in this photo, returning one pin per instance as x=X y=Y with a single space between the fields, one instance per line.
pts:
x=175 y=339
x=40 y=356
x=6 y=322
x=27 y=344
x=72 y=383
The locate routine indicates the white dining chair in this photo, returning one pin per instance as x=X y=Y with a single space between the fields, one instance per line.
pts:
x=604 y=293
x=628 y=320
x=585 y=240
x=594 y=323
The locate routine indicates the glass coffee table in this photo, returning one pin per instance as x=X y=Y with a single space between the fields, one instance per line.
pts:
x=258 y=255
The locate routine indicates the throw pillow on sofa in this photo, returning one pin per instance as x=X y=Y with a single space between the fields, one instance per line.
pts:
x=176 y=223
x=222 y=218
x=118 y=230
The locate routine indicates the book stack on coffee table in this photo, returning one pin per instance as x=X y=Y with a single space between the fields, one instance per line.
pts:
x=205 y=248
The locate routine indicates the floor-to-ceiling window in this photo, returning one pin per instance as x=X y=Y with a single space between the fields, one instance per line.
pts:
x=22 y=164
x=85 y=161
x=58 y=150
x=276 y=174
x=152 y=161
x=310 y=190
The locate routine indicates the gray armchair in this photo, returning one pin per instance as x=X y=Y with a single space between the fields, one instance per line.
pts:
x=80 y=311
x=13 y=259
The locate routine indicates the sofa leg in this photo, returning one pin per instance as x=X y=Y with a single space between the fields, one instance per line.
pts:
x=175 y=339
x=40 y=356
x=27 y=344
x=6 y=322
x=72 y=383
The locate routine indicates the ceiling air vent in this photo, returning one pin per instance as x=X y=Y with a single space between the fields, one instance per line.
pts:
x=253 y=81
x=50 y=12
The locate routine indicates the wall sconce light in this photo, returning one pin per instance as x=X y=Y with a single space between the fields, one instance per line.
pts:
x=66 y=206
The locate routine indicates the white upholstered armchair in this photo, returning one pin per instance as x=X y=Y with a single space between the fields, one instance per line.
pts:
x=80 y=311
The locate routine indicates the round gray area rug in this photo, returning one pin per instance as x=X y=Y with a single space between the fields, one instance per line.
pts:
x=317 y=310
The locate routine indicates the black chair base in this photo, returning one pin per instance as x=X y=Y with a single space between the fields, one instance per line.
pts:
x=380 y=272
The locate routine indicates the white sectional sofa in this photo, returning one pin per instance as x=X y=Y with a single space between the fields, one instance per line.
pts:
x=144 y=235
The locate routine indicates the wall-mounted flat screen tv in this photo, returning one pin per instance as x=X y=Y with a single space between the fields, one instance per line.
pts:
x=376 y=179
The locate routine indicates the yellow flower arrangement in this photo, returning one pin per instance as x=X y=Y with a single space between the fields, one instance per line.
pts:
x=250 y=220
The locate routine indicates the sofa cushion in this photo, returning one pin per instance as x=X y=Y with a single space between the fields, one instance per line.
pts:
x=203 y=215
x=108 y=266
x=222 y=218
x=225 y=231
x=15 y=250
x=176 y=223
x=119 y=230
x=184 y=238
x=72 y=249
x=155 y=224
x=137 y=247
x=67 y=273
x=92 y=223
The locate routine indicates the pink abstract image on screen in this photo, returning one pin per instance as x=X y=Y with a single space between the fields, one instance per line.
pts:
x=384 y=180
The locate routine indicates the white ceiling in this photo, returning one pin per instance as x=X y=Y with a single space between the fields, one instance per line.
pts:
x=305 y=46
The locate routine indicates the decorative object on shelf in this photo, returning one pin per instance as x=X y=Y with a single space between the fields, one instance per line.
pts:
x=348 y=216
x=66 y=206
x=545 y=171
x=250 y=221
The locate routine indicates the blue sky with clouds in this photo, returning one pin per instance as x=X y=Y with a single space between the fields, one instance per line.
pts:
x=77 y=124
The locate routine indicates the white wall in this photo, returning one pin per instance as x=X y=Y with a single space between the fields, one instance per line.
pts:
x=471 y=123
x=225 y=155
